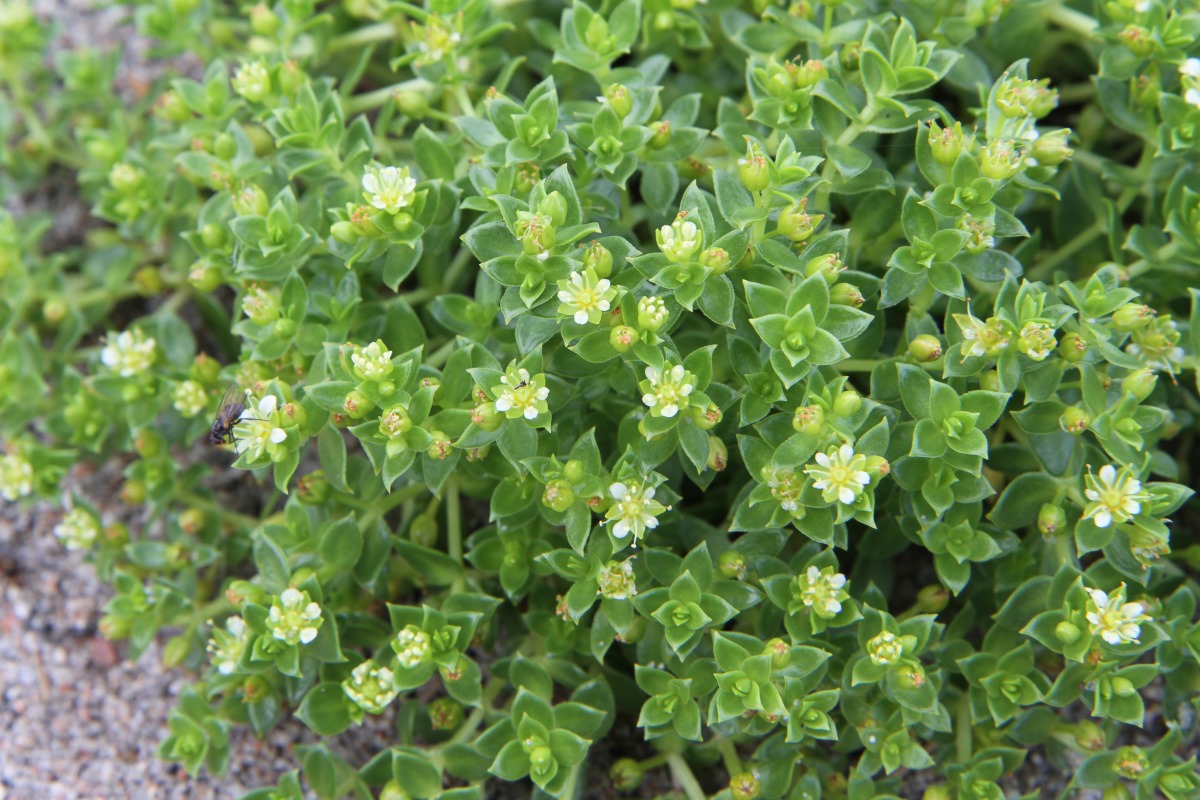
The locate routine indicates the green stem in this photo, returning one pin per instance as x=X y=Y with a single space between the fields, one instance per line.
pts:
x=1070 y=19
x=461 y=259
x=439 y=356
x=386 y=504
x=211 y=609
x=844 y=139
x=193 y=500
x=827 y=34
x=454 y=533
x=729 y=754
x=963 y=733
x=868 y=364
x=379 y=32
x=1068 y=250
x=369 y=100
x=464 y=100
x=682 y=774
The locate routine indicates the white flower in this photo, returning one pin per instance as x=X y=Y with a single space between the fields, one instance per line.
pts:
x=1112 y=619
x=666 y=391
x=370 y=687
x=389 y=188
x=616 y=580
x=680 y=240
x=1192 y=97
x=252 y=81
x=584 y=298
x=981 y=338
x=129 y=353
x=227 y=646
x=1036 y=340
x=635 y=510
x=294 y=617
x=886 y=648
x=1190 y=68
x=840 y=474
x=257 y=431
x=413 y=647
x=78 y=529
x=16 y=477
x=1114 y=496
x=785 y=487
x=524 y=397
x=373 y=362
x=190 y=399
x=823 y=590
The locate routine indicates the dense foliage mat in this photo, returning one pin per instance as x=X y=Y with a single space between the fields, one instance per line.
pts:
x=808 y=388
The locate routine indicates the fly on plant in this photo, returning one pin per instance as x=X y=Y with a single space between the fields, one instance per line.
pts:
x=233 y=405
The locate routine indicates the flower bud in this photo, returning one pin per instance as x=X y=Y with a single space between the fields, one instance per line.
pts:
x=1074 y=420
x=1118 y=791
x=622 y=338
x=925 y=348
x=1000 y=160
x=1132 y=317
x=424 y=530
x=947 y=144
x=732 y=564
x=744 y=787
x=1050 y=149
x=716 y=259
x=176 y=651
x=660 y=135
x=263 y=20
x=847 y=403
x=596 y=36
x=554 y=206
x=125 y=178
x=1122 y=686
x=1073 y=348
x=439 y=449
x=357 y=405
x=395 y=422
x=559 y=496
x=1089 y=735
x=250 y=201
x=392 y=790
x=933 y=598
x=204 y=277
x=133 y=492
x=830 y=266
x=313 y=488
x=255 y=689
x=705 y=418
x=1140 y=383
x=718 y=454
x=618 y=99
x=877 y=467
x=345 y=232
x=54 y=310
x=810 y=73
x=938 y=791
x=445 y=714
x=574 y=471
x=626 y=775
x=485 y=417
x=241 y=592
x=797 y=224
x=990 y=381
x=754 y=170
x=1051 y=520
x=598 y=259
x=911 y=677
x=1067 y=632
x=846 y=294
x=115 y=628
x=652 y=314
x=172 y=108
x=809 y=420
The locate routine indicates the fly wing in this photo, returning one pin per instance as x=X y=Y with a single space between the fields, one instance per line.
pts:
x=233 y=403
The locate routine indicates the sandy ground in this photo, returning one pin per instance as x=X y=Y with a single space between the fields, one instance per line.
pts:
x=78 y=719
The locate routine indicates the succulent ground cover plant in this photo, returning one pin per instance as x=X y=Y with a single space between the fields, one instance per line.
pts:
x=807 y=387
